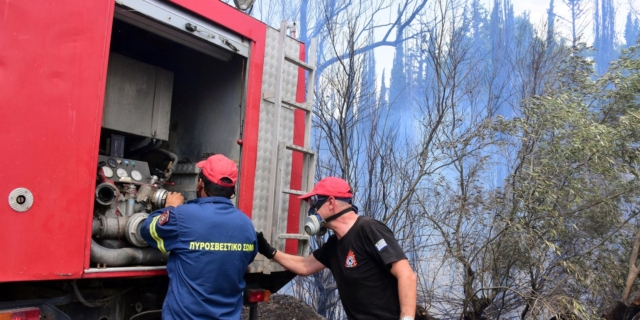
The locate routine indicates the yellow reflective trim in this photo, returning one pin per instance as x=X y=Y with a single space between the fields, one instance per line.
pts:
x=155 y=236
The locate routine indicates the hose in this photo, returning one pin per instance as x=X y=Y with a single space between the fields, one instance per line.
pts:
x=174 y=162
x=126 y=256
x=99 y=302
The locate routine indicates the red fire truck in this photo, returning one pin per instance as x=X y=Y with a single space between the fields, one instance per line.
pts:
x=105 y=106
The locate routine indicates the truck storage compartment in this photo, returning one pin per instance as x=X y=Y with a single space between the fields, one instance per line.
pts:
x=167 y=106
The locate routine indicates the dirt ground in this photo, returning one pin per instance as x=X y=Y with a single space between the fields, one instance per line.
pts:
x=283 y=307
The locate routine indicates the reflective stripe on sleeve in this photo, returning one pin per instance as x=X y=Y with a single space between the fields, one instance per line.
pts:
x=155 y=236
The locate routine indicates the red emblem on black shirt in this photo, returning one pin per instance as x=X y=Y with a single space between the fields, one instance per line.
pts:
x=164 y=218
x=351 y=260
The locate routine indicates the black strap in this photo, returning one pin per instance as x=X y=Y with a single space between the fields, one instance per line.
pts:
x=337 y=215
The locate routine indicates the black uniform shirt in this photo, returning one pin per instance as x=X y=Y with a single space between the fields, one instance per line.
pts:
x=361 y=263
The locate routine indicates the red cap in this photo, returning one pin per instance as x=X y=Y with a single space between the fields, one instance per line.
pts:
x=217 y=167
x=330 y=187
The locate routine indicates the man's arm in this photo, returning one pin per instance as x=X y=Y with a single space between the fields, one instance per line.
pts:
x=407 y=287
x=160 y=229
x=303 y=266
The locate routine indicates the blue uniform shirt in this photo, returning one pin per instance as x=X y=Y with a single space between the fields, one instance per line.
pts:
x=211 y=244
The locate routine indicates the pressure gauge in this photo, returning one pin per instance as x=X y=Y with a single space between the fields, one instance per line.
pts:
x=112 y=162
x=107 y=172
x=122 y=173
x=136 y=175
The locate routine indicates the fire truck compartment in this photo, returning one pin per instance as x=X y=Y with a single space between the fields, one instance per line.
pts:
x=206 y=96
x=171 y=100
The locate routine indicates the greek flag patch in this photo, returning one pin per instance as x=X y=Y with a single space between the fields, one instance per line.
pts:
x=381 y=244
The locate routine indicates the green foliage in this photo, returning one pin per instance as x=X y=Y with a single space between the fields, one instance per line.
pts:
x=574 y=188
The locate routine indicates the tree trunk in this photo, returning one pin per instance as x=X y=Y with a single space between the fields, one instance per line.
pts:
x=633 y=269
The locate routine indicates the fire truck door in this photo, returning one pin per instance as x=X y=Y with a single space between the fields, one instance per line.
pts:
x=52 y=79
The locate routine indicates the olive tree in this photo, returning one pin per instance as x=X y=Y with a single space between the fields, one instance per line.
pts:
x=571 y=201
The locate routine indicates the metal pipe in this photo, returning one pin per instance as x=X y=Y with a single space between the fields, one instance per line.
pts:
x=106 y=193
x=120 y=269
x=159 y=198
x=109 y=227
x=130 y=200
x=130 y=205
x=96 y=227
x=126 y=256
x=152 y=194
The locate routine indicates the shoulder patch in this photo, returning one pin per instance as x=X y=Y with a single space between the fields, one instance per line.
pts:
x=381 y=244
x=164 y=218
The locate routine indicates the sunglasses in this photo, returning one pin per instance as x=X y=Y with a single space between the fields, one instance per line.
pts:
x=315 y=202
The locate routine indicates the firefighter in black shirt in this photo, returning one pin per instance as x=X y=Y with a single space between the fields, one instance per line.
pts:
x=373 y=275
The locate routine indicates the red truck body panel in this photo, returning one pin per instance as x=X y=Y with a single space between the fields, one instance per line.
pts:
x=53 y=68
x=52 y=80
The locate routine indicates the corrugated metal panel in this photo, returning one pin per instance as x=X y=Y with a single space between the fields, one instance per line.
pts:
x=289 y=86
x=267 y=137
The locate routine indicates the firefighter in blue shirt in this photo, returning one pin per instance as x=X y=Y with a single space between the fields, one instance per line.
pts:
x=211 y=244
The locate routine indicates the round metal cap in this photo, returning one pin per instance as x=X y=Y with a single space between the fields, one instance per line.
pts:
x=20 y=199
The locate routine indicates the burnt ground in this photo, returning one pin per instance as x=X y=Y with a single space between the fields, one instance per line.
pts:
x=283 y=307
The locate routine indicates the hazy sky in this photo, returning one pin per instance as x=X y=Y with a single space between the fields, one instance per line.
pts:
x=537 y=10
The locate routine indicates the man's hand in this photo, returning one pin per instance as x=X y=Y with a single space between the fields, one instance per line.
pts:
x=173 y=199
x=264 y=247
